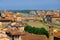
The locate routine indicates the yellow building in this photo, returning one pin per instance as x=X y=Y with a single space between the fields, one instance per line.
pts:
x=56 y=20
x=18 y=17
x=54 y=17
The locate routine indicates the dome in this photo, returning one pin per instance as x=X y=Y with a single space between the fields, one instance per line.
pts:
x=18 y=15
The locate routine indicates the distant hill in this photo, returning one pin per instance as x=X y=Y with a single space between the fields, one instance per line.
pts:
x=21 y=11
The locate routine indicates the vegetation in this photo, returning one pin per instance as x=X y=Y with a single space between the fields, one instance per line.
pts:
x=56 y=26
x=21 y=11
x=40 y=31
x=44 y=22
x=40 y=20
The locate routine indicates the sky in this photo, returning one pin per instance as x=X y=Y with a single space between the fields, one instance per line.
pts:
x=29 y=4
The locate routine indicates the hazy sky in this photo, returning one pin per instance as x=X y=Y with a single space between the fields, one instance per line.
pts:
x=29 y=4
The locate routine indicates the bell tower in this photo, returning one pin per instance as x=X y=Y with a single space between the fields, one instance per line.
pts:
x=51 y=33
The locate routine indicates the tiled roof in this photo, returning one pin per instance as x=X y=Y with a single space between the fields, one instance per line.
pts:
x=53 y=15
x=57 y=34
x=18 y=15
x=5 y=18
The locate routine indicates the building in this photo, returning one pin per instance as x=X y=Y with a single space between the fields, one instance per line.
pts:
x=51 y=33
x=55 y=19
x=56 y=35
x=18 y=17
x=53 y=16
x=19 y=25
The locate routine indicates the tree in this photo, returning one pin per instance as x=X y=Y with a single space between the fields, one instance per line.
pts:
x=40 y=31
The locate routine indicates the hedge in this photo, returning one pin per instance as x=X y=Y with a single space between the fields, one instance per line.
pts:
x=40 y=31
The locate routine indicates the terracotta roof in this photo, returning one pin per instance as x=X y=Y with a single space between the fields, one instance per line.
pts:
x=13 y=31
x=53 y=15
x=18 y=15
x=49 y=14
x=57 y=34
x=4 y=19
x=29 y=36
x=18 y=25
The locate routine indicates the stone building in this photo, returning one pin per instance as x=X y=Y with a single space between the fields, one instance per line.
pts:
x=18 y=17
x=51 y=33
x=53 y=16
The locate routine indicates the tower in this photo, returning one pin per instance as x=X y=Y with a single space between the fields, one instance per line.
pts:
x=51 y=33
